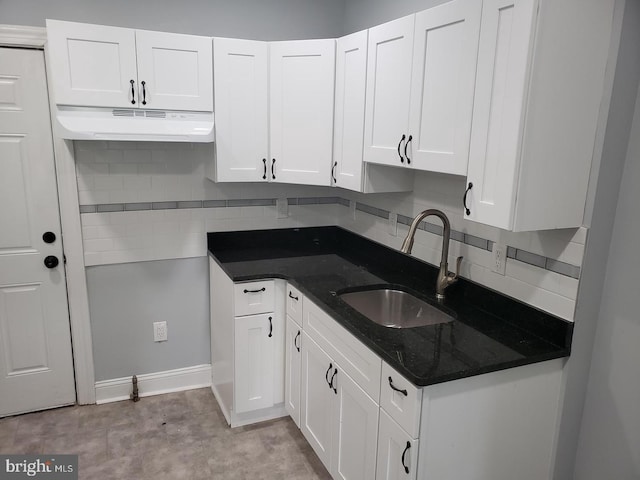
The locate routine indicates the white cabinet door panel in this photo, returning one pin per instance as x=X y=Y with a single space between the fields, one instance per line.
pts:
x=351 y=78
x=316 y=411
x=355 y=435
x=92 y=65
x=301 y=111
x=388 y=89
x=241 y=102
x=498 y=115
x=253 y=362
x=176 y=70
x=397 y=451
x=293 y=370
x=443 y=79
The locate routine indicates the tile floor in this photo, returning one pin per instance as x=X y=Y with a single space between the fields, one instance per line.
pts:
x=175 y=436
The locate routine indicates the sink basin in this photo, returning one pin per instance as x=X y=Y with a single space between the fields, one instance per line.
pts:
x=395 y=308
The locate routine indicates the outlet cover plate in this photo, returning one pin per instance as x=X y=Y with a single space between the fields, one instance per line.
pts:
x=159 y=331
x=499 y=263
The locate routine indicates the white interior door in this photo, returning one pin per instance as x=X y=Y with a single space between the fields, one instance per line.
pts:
x=242 y=116
x=36 y=368
x=301 y=111
x=445 y=51
x=177 y=71
x=92 y=65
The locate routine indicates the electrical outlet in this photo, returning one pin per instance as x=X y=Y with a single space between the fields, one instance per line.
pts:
x=393 y=224
x=499 y=264
x=159 y=331
x=282 y=206
x=352 y=208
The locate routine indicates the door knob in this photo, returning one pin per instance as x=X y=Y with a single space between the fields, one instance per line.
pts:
x=48 y=237
x=51 y=261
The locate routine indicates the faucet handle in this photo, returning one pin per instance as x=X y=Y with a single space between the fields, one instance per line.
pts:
x=452 y=277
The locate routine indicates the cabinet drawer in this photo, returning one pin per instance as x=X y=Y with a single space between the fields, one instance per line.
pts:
x=353 y=357
x=253 y=298
x=401 y=400
x=294 y=304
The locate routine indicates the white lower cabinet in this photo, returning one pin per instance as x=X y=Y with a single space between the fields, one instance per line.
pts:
x=397 y=451
x=293 y=365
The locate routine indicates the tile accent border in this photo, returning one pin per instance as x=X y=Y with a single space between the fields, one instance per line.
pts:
x=516 y=254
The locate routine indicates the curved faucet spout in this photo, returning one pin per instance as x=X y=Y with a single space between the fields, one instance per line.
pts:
x=444 y=277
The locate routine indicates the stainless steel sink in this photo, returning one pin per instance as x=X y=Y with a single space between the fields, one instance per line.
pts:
x=394 y=308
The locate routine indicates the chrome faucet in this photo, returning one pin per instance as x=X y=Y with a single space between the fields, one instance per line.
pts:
x=445 y=278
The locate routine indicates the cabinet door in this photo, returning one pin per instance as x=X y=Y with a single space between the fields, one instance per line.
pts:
x=498 y=112
x=351 y=78
x=92 y=65
x=388 y=88
x=355 y=430
x=175 y=71
x=445 y=50
x=397 y=451
x=301 y=111
x=317 y=399
x=253 y=362
x=293 y=366
x=240 y=81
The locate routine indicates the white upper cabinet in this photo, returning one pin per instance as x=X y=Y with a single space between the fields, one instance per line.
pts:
x=388 y=90
x=539 y=89
x=301 y=111
x=92 y=65
x=99 y=66
x=174 y=71
x=241 y=100
x=351 y=77
x=445 y=50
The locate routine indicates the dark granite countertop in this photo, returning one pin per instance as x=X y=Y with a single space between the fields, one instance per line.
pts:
x=491 y=331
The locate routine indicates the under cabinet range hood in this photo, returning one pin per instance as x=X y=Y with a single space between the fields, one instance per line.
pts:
x=87 y=123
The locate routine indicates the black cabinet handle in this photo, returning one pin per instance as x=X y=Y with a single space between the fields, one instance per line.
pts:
x=133 y=93
x=399 y=145
x=295 y=341
x=255 y=291
x=48 y=237
x=51 y=261
x=333 y=172
x=464 y=200
x=264 y=164
x=335 y=390
x=326 y=375
x=144 y=93
x=393 y=387
x=406 y=469
x=270 y=327
x=406 y=145
x=273 y=168
x=291 y=296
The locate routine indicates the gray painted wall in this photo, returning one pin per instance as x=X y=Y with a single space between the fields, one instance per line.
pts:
x=252 y=19
x=361 y=14
x=125 y=300
x=610 y=434
x=587 y=317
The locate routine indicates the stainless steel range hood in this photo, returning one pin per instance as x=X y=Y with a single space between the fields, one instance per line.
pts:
x=87 y=123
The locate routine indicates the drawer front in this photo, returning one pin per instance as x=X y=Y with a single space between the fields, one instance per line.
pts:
x=294 y=304
x=401 y=400
x=353 y=357
x=254 y=297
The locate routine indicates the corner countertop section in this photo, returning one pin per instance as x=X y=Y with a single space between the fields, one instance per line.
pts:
x=491 y=332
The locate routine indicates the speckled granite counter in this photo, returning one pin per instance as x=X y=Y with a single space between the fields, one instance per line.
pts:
x=491 y=332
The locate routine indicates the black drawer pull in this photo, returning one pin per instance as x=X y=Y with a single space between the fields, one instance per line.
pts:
x=133 y=93
x=405 y=149
x=333 y=172
x=254 y=291
x=295 y=341
x=393 y=387
x=326 y=375
x=270 y=327
x=144 y=92
x=464 y=200
x=273 y=168
x=399 y=144
x=264 y=174
x=291 y=296
x=406 y=469
x=331 y=385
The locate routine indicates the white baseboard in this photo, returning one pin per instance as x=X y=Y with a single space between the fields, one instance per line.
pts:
x=117 y=389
